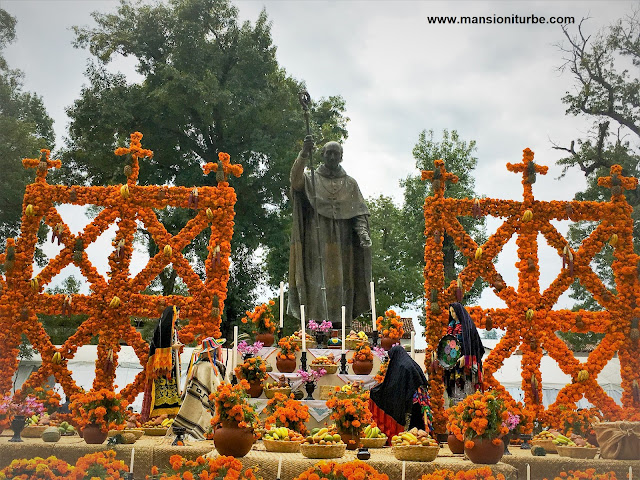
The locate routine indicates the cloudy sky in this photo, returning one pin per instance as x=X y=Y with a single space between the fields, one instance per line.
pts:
x=497 y=84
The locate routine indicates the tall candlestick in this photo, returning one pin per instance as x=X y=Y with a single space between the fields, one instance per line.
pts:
x=133 y=452
x=528 y=472
x=404 y=469
x=304 y=331
x=413 y=345
x=373 y=308
x=630 y=473
x=344 y=319
x=279 y=468
x=281 y=304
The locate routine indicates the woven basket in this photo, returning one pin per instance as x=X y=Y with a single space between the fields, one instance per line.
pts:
x=415 y=453
x=310 y=343
x=323 y=451
x=330 y=368
x=136 y=431
x=351 y=344
x=154 y=431
x=281 y=446
x=271 y=392
x=548 y=445
x=377 y=442
x=34 y=431
x=577 y=452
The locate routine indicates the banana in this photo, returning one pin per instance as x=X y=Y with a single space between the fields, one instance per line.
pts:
x=115 y=302
x=613 y=240
x=168 y=251
x=124 y=191
x=57 y=358
x=376 y=432
x=478 y=253
x=30 y=210
x=209 y=214
x=527 y=216
x=367 y=431
x=529 y=315
x=583 y=375
x=35 y=284
x=409 y=436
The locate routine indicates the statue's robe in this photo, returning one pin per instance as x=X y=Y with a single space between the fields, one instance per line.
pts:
x=347 y=266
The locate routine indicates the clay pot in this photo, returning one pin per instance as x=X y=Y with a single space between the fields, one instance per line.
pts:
x=362 y=367
x=352 y=441
x=255 y=388
x=231 y=440
x=484 y=451
x=388 y=342
x=93 y=435
x=456 y=446
x=286 y=365
x=266 y=338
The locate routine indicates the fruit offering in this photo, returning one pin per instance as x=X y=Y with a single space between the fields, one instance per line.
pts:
x=283 y=434
x=42 y=420
x=161 y=421
x=546 y=435
x=298 y=336
x=360 y=336
x=66 y=428
x=573 y=441
x=324 y=360
x=323 y=436
x=372 y=431
x=413 y=437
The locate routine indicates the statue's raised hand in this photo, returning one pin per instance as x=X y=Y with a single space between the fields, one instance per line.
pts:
x=307 y=146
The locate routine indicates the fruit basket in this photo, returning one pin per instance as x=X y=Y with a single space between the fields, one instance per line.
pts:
x=415 y=453
x=577 y=452
x=155 y=431
x=281 y=446
x=330 y=368
x=135 y=431
x=310 y=343
x=271 y=392
x=352 y=343
x=548 y=445
x=323 y=451
x=377 y=442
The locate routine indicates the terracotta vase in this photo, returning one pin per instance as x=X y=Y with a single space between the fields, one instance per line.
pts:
x=484 y=451
x=231 y=440
x=255 y=388
x=93 y=435
x=362 y=367
x=286 y=365
x=456 y=446
x=388 y=342
x=352 y=441
x=266 y=338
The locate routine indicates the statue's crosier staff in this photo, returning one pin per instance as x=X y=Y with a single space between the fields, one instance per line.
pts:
x=305 y=101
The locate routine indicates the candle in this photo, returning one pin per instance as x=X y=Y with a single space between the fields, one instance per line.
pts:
x=630 y=473
x=344 y=320
x=133 y=452
x=281 y=304
x=235 y=347
x=304 y=333
x=528 y=472
x=279 y=468
x=404 y=467
x=413 y=345
x=373 y=308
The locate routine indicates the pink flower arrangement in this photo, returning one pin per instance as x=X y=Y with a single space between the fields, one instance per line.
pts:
x=512 y=422
x=380 y=352
x=244 y=348
x=27 y=407
x=312 y=376
x=323 y=327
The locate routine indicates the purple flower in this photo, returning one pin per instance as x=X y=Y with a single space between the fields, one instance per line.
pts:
x=312 y=376
x=512 y=422
x=244 y=348
x=323 y=327
x=380 y=352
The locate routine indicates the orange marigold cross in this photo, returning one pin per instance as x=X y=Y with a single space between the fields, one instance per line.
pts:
x=41 y=164
x=616 y=182
x=529 y=170
x=438 y=177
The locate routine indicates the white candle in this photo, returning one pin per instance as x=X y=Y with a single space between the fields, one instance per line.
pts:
x=528 y=472
x=304 y=332
x=413 y=345
x=279 y=468
x=281 y=304
x=235 y=347
x=133 y=452
x=344 y=319
x=630 y=473
x=373 y=308
x=404 y=467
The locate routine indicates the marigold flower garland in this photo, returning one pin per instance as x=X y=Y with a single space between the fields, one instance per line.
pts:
x=112 y=302
x=482 y=473
x=204 y=469
x=355 y=470
x=529 y=320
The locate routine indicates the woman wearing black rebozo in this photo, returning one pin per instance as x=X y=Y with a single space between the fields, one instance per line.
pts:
x=402 y=392
x=466 y=377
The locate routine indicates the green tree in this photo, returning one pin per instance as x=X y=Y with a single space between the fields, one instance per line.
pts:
x=210 y=84
x=605 y=69
x=398 y=231
x=25 y=128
